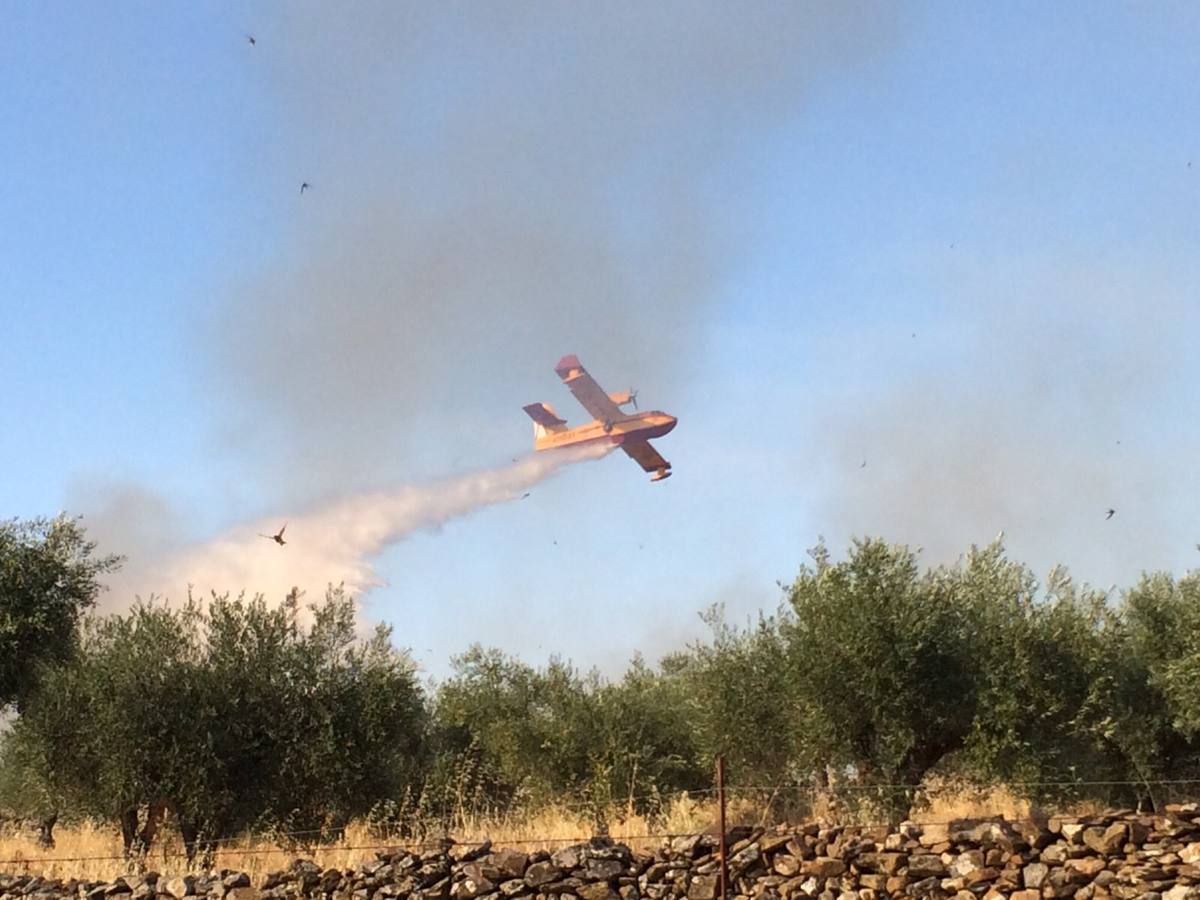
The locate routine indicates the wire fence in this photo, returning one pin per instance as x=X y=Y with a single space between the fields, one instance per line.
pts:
x=870 y=798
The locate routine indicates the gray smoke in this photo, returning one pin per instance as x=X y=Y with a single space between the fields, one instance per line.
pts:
x=494 y=185
x=1031 y=408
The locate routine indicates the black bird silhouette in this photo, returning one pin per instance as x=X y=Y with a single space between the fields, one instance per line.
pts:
x=864 y=464
x=251 y=40
x=1109 y=514
x=524 y=495
x=277 y=538
x=304 y=186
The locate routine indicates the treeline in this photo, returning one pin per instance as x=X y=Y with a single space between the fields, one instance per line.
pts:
x=873 y=675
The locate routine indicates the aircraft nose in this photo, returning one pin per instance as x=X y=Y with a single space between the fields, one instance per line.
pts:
x=671 y=423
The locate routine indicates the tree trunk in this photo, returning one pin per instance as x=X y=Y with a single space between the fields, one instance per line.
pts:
x=46 y=831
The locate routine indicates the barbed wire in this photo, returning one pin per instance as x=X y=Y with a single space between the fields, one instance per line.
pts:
x=408 y=846
x=229 y=845
x=834 y=788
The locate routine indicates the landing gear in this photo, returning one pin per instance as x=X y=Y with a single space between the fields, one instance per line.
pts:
x=608 y=426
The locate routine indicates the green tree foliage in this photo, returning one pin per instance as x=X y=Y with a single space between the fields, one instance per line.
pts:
x=49 y=577
x=876 y=672
x=888 y=657
x=742 y=683
x=510 y=734
x=1146 y=697
x=233 y=715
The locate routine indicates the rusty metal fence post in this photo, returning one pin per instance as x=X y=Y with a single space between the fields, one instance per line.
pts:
x=721 y=826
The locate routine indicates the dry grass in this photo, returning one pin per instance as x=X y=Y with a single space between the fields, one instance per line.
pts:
x=91 y=852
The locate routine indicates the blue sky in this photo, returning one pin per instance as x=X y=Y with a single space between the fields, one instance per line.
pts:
x=954 y=241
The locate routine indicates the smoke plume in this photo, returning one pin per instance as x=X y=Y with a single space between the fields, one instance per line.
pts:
x=493 y=186
x=334 y=543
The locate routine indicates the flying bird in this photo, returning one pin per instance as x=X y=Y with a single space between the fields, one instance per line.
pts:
x=1109 y=513
x=864 y=464
x=304 y=186
x=524 y=495
x=250 y=39
x=277 y=538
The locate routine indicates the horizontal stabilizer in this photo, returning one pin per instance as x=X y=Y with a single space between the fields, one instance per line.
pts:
x=544 y=415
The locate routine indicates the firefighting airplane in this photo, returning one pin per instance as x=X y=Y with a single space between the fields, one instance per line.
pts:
x=630 y=432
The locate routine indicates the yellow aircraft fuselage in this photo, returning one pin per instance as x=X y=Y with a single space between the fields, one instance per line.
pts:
x=610 y=423
x=639 y=427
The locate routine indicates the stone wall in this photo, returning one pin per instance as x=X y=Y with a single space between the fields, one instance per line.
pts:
x=1119 y=855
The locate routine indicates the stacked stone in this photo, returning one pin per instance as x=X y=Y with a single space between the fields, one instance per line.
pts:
x=224 y=885
x=1120 y=855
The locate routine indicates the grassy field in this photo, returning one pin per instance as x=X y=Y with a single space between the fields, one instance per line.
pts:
x=93 y=852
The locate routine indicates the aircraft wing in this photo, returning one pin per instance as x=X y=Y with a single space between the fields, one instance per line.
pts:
x=586 y=391
x=645 y=455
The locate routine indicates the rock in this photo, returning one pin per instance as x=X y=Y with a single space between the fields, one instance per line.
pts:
x=463 y=853
x=1088 y=866
x=471 y=887
x=685 y=845
x=1033 y=876
x=1191 y=853
x=926 y=866
x=1034 y=834
x=567 y=858
x=966 y=863
x=509 y=863
x=932 y=834
x=236 y=880
x=656 y=872
x=1139 y=831
x=1106 y=841
x=243 y=892
x=924 y=888
x=874 y=881
x=598 y=891
x=181 y=887
x=703 y=887
x=603 y=869
x=1055 y=854
x=786 y=865
x=566 y=885
x=1071 y=831
x=481 y=870
x=891 y=863
x=743 y=859
x=823 y=867
x=540 y=873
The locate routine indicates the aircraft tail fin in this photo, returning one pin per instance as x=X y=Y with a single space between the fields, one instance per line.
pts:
x=545 y=421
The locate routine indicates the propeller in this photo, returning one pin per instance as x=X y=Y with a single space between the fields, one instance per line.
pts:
x=633 y=397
